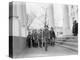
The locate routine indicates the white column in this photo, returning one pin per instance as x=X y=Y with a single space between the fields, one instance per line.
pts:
x=70 y=17
x=18 y=41
x=21 y=13
x=66 y=23
x=15 y=20
x=50 y=15
x=21 y=10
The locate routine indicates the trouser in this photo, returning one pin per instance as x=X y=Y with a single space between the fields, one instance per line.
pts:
x=46 y=44
x=33 y=43
x=53 y=41
x=29 y=43
x=40 y=43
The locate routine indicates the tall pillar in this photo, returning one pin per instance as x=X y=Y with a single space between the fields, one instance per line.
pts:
x=66 y=23
x=23 y=18
x=18 y=27
x=50 y=15
x=71 y=17
x=19 y=10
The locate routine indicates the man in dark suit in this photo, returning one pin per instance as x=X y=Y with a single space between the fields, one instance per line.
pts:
x=29 y=38
x=52 y=36
x=75 y=28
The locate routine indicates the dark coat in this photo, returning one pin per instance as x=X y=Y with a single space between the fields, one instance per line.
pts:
x=35 y=36
x=52 y=34
x=75 y=29
x=29 y=38
x=46 y=34
x=40 y=35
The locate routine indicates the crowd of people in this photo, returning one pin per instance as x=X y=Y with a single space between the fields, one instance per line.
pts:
x=45 y=37
x=42 y=38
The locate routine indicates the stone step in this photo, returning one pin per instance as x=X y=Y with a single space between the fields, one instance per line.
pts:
x=70 y=39
x=67 y=37
x=74 y=44
x=68 y=47
x=71 y=44
x=75 y=41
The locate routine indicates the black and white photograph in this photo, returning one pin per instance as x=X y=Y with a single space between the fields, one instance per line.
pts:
x=42 y=29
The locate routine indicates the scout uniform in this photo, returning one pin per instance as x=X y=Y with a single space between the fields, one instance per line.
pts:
x=35 y=39
x=40 y=38
x=46 y=37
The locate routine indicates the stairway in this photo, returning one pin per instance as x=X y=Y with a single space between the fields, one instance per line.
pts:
x=68 y=42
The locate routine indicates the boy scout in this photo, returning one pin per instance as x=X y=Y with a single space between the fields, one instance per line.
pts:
x=46 y=36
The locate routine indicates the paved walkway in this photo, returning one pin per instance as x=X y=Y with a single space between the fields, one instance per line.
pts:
x=67 y=47
x=52 y=51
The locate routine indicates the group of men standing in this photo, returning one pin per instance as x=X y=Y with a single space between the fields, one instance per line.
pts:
x=43 y=38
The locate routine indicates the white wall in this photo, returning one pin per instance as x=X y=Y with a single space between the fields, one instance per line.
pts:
x=15 y=27
x=18 y=25
x=19 y=10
